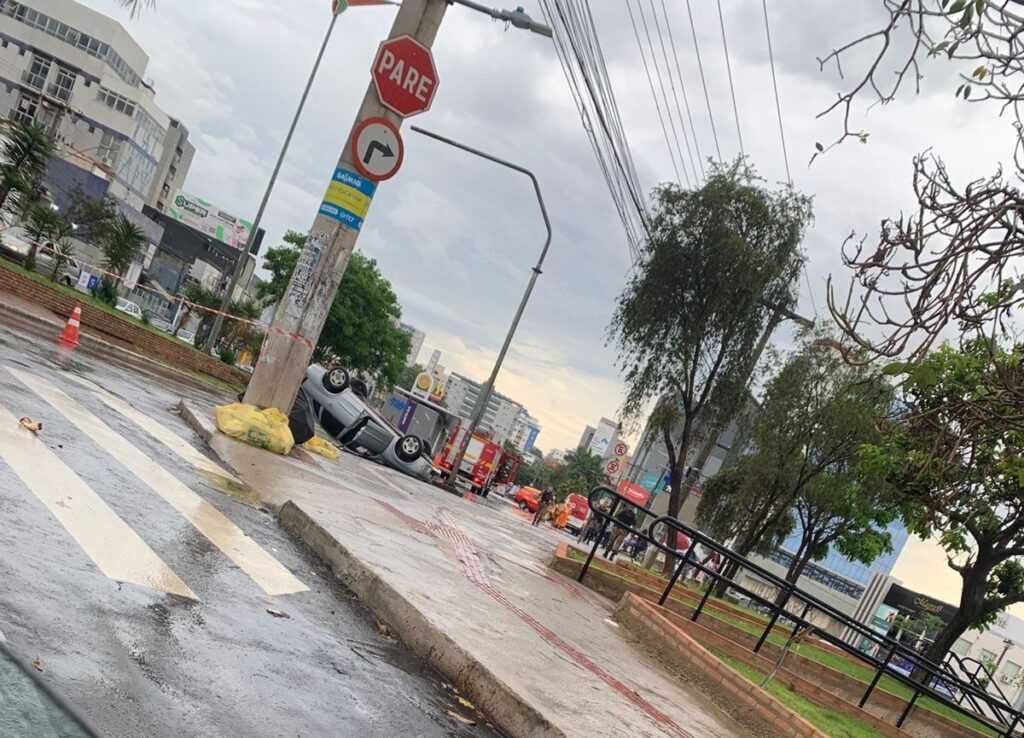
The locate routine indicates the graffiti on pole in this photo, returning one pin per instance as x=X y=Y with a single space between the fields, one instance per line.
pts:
x=305 y=269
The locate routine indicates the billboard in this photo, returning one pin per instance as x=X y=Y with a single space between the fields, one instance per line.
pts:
x=209 y=219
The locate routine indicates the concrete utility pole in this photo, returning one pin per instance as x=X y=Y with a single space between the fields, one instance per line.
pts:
x=303 y=310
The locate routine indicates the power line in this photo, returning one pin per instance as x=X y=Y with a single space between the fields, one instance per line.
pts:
x=775 y=86
x=675 y=95
x=728 y=67
x=661 y=84
x=703 y=80
x=682 y=86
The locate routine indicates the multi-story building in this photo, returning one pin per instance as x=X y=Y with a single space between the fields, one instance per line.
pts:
x=601 y=440
x=416 y=338
x=82 y=76
x=525 y=430
x=460 y=396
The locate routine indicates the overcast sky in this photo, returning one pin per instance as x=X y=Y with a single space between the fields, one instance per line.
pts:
x=456 y=236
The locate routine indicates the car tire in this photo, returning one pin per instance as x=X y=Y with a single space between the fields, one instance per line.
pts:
x=522 y=505
x=66 y=281
x=335 y=380
x=408 y=448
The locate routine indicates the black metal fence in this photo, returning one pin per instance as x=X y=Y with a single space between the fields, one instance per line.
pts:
x=963 y=692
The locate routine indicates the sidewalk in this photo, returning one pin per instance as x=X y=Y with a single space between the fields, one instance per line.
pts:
x=466 y=585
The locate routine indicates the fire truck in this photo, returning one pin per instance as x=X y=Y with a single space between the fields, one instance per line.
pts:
x=484 y=465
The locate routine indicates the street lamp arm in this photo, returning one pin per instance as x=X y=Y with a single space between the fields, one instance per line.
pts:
x=510 y=165
x=517 y=17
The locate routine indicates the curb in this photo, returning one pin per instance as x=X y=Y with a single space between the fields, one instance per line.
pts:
x=98 y=348
x=499 y=701
x=197 y=421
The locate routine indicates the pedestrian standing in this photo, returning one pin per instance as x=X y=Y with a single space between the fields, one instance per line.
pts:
x=542 y=506
x=593 y=524
x=625 y=520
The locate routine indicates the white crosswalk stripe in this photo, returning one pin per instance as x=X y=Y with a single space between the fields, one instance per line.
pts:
x=171 y=440
x=113 y=546
x=272 y=577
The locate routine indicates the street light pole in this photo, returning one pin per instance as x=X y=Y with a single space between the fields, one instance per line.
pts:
x=218 y=323
x=485 y=395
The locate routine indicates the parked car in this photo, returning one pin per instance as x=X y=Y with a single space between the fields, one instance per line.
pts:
x=15 y=243
x=342 y=412
x=528 y=498
x=67 y=275
x=128 y=307
x=187 y=336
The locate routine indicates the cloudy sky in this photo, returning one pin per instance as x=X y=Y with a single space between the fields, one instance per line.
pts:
x=457 y=236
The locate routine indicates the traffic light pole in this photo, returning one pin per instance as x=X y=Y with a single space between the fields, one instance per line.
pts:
x=236 y=275
x=321 y=264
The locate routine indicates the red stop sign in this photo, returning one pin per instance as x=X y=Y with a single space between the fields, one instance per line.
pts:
x=404 y=75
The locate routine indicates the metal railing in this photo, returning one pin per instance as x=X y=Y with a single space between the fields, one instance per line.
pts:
x=884 y=655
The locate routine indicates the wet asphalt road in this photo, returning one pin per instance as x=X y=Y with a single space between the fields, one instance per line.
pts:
x=137 y=662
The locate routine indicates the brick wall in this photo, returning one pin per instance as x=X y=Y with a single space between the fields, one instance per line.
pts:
x=119 y=331
x=686 y=654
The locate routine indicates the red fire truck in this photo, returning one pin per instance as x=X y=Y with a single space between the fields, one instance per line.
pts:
x=485 y=463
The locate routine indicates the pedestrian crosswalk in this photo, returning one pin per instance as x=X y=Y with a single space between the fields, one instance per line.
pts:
x=116 y=549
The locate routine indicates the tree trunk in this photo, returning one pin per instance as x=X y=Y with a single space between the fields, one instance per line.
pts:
x=800 y=562
x=972 y=607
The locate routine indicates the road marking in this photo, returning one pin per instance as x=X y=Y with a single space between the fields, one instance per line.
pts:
x=171 y=440
x=264 y=569
x=113 y=546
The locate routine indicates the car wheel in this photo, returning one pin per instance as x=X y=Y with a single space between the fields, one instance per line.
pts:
x=66 y=281
x=335 y=380
x=522 y=506
x=408 y=448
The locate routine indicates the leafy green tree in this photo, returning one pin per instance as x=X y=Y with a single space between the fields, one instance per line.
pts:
x=196 y=295
x=361 y=329
x=816 y=413
x=123 y=244
x=25 y=152
x=965 y=490
x=409 y=375
x=87 y=218
x=690 y=317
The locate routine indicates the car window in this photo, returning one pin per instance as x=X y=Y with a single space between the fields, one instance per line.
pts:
x=27 y=708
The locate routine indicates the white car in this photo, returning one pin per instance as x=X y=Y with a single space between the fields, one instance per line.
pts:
x=128 y=307
x=187 y=336
x=342 y=413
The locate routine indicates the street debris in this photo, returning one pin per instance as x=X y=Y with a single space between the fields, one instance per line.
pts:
x=279 y=614
x=461 y=718
x=319 y=446
x=266 y=429
x=384 y=630
x=29 y=425
x=37 y=664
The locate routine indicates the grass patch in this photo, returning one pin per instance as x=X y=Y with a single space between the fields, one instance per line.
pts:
x=87 y=299
x=830 y=723
x=859 y=671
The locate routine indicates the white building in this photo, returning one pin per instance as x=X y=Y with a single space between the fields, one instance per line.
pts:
x=80 y=74
x=601 y=440
x=416 y=336
x=525 y=430
x=460 y=395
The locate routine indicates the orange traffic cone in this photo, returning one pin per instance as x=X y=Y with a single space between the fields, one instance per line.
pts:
x=68 y=338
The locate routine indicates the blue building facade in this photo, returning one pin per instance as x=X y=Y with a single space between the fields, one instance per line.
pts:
x=840 y=573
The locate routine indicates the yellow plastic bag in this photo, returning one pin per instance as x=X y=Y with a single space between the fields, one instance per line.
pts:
x=264 y=428
x=319 y=446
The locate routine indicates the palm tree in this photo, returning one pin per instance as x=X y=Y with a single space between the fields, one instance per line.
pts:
x=123 y=244
x=196 y=294
x=62 y=252
x=43 y=224
x=136 y=6
x=24 y=155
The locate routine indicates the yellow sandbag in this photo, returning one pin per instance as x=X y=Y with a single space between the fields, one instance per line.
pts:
x=319 y=446
x=264 y=428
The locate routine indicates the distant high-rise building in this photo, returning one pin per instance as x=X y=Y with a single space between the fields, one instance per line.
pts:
x=416 y=337
x=525 y=430
x=460 y=395
x=586 y=438
x=601 y=440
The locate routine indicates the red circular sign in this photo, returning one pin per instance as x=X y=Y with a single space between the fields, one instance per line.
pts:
x=377 y=148
x=621 y=449
x=613 y=466
x=404 y=75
